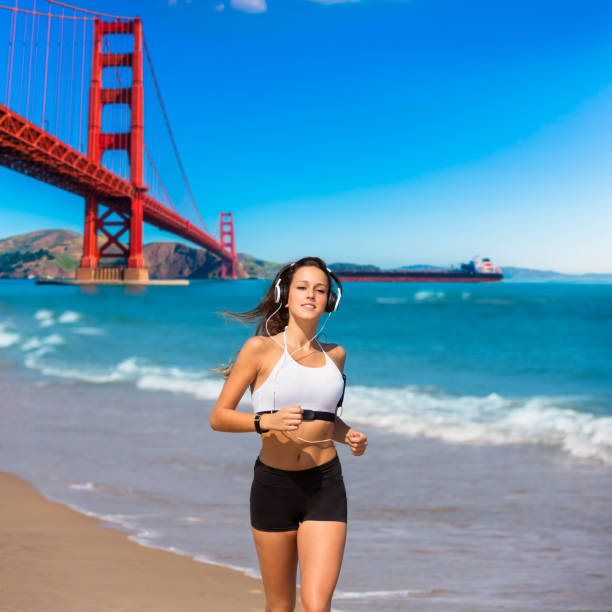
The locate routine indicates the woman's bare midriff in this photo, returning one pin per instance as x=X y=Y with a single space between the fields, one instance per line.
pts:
x=281 y=450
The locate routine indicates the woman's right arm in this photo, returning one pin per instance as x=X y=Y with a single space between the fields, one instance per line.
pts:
x=225 y=417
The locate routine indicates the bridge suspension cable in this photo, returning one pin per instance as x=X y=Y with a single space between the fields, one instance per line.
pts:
x=161 y=183
x=156 y=175
x=167 y=121
x=82 y=10
x=16 y=9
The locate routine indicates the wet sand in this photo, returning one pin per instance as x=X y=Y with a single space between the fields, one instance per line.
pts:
x=54 y=559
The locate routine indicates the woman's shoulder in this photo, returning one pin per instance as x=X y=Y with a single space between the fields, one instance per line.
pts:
x=330 y=347
x=258 y=345
x=255 y=351
x=336 y=352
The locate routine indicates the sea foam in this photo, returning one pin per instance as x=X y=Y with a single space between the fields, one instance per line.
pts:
x=491 y=419
x=429 y=296
x=84 y=486
x=69 y=316
x=88 y=331
x=43 y=314
x=400 y=594
x=141 y=372
x=7 y=338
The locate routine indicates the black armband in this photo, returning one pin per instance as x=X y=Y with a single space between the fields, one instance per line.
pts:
x=258 y=428
x=343 y=389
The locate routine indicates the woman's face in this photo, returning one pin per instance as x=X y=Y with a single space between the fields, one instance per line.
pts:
x=308 y=293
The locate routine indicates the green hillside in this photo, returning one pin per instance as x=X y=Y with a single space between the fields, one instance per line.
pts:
x=56 y=253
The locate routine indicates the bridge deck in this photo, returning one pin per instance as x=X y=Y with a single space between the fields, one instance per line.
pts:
x=30 y=150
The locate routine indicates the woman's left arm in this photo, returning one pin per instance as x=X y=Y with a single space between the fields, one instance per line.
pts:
x=344 y=434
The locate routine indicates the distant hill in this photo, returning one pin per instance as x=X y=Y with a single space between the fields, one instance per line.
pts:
x=258 y=268
x=528 y=275
x=45 y=253
x=352 y=266
x=56 y=254
x=177 y=260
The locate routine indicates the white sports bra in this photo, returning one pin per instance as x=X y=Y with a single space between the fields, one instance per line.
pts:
x=289 y=383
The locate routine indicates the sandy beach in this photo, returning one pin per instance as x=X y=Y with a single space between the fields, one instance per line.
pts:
x=56 y=559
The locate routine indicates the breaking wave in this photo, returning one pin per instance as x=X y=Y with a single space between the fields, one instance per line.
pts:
x=492 y=419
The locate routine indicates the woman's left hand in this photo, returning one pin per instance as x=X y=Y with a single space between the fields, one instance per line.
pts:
x=357 y=442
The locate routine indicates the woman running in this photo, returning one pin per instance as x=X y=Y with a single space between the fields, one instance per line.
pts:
x=298 y=500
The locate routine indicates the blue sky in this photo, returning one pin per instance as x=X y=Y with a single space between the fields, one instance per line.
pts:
x=380 y=131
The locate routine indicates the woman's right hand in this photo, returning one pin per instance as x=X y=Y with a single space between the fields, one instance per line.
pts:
x=286 y=419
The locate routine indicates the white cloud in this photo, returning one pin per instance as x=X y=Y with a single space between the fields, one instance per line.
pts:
x=249 y=6
x=219 y=7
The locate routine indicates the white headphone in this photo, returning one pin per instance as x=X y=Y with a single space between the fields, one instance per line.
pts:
x=333 y=300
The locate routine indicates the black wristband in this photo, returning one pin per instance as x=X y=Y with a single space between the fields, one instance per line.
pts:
x=258 y=428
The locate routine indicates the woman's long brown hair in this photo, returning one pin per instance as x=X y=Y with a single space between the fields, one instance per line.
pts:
x=265 y=310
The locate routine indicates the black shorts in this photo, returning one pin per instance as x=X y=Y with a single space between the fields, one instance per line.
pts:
x=282 y=499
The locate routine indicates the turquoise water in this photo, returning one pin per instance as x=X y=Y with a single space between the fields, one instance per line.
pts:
x=474 y=363
x=486 y=407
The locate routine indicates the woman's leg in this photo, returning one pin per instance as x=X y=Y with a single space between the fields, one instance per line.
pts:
x=320 y=547
x=277 y=553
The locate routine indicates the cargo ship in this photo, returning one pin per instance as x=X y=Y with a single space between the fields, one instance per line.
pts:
x=476 y=271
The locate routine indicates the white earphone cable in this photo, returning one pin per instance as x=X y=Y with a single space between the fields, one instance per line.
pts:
x=283 y=365
x=285 y=362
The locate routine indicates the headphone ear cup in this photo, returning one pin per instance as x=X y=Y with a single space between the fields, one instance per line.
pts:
x=284 y=294
x=332 y=298
x=281 y=289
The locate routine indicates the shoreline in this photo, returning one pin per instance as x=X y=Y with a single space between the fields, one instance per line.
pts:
x=58 y=559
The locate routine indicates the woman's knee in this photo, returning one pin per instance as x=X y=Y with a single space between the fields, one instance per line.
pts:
x=314 y=603
x=280 y=605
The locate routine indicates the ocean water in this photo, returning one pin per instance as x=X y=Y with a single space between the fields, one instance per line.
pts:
x=487 y=482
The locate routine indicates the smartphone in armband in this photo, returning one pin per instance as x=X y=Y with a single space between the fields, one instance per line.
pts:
x=343 y=389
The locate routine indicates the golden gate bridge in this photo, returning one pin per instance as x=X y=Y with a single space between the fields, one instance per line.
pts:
x=75 y=113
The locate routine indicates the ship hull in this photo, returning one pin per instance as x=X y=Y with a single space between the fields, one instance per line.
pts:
x=449 y=276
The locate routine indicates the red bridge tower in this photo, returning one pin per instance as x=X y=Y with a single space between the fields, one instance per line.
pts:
x=226 y=231
x=129 y=212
